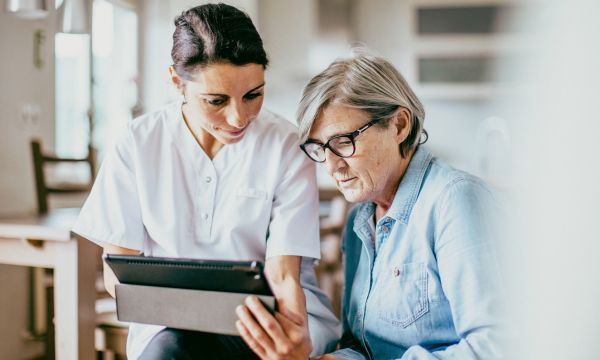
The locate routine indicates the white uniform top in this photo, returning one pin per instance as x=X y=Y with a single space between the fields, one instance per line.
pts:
x=159 y=193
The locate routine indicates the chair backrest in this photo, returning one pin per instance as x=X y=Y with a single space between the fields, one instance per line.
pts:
x=333 y=212
x=332 y=222
x=43 y=189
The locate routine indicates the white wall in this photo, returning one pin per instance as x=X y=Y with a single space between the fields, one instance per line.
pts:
x=386 y=27
x=554 y=251
x=287 y=40
x=21 y=83
x=155 y=43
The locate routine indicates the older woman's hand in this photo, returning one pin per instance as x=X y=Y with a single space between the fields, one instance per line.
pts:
x=283 y=336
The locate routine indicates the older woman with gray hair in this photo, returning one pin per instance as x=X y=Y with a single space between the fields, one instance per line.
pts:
x=422 y=278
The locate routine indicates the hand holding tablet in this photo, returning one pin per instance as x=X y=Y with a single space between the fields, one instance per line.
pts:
x=187 y=294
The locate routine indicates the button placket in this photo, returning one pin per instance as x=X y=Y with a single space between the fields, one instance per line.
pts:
x=210 y=190
x=206 y=193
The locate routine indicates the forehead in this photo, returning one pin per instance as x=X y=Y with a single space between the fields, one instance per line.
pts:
x=223 y=78
x=337 y=119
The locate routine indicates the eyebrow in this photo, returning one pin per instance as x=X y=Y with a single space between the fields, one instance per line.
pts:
x=311 y=140
x=317 y=141
x=248 y=92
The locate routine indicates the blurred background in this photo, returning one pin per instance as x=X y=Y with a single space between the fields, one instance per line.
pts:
x=508 y=88
x=445 y=49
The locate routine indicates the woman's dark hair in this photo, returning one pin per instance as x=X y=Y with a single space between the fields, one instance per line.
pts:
x=215 y=33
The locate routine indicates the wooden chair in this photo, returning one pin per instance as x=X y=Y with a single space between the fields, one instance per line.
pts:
x=111 y=335
x=43 y=189
x=41 y=280
x=334 y=210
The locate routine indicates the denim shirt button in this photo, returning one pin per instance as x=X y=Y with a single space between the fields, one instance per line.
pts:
x=396 y=272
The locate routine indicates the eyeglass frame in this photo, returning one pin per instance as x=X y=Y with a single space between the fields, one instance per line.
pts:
x=350 y=135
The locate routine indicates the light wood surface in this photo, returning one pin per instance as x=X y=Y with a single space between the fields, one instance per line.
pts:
x=46 y=241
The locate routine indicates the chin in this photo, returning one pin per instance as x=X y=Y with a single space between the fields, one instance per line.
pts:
x=352 y=195
x=230 y=141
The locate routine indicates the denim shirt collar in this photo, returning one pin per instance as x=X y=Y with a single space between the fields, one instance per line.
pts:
x=406 y=194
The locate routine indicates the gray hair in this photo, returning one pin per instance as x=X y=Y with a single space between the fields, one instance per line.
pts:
x=364 y=82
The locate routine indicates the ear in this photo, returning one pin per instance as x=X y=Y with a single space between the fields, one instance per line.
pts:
x=177 y=81
x=401 y=122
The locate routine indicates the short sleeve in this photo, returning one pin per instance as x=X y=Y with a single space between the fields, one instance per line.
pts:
x=111 y=214
x=294 y=224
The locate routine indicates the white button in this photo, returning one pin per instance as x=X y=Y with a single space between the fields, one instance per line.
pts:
x=205 y=216
x=208 y=179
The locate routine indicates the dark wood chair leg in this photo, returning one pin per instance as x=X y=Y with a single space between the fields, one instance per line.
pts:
x=40 y=181
x=50 y=348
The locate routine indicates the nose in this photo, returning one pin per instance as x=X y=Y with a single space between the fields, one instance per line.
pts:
x=333 y=163
x=237 y=116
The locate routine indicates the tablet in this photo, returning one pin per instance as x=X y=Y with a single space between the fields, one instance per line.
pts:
x=214 y=275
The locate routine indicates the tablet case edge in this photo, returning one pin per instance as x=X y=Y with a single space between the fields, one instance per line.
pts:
x=200 y=310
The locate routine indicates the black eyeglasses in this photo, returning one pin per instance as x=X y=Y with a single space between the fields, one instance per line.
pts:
x=342 y=145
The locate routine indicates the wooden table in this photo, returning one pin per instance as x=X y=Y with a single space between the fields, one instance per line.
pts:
x=47 y=241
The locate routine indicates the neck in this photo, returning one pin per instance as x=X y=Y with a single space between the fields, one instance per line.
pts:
x=385 y=200
x=203 y=138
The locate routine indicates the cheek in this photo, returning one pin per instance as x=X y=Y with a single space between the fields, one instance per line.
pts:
x=364 y=169
x=214 y=119
x=210 y=119
x=254 y=108
x=373 y=169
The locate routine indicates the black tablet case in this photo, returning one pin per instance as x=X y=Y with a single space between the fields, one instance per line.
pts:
x=213 y=275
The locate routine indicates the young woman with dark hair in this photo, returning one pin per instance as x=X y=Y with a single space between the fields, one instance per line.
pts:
x=215 y=176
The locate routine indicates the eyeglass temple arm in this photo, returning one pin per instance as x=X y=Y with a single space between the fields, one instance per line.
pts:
x=362 y=129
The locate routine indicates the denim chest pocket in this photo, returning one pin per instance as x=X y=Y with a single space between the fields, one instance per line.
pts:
x=404 y=294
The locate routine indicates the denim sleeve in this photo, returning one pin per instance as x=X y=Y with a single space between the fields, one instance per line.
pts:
x=348 y=354
x=350 y=348
x=466 y=238
x=323 y=327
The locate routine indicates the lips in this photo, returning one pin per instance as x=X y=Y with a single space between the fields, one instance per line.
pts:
x=234 y=133
x=343 y=182
x=346 y=180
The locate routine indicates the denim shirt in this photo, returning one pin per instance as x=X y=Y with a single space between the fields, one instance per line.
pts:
x=424 y=282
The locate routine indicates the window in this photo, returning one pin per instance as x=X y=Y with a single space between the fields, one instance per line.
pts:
x=72 y=94
x=475 y=19
x=115 y=49
x=455 y=47
x=115 y=85
x=458 y=69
